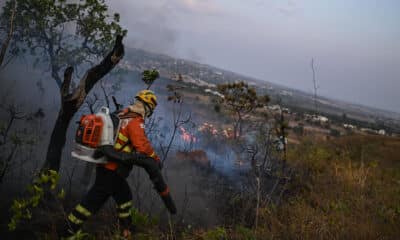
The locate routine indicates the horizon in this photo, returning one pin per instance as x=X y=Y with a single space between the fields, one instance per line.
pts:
x=354 y=44
x=274 y=83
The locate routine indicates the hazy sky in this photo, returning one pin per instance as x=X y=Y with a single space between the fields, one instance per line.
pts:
x=355 y=43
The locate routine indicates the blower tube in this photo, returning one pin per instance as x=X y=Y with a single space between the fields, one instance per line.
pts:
x=149 y=165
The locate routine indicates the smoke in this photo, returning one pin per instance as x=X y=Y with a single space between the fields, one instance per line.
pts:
x=193 y=55
x=148 y=24
x=201 y=192
x=289 y=8
x=165 y=26
x=151 y=26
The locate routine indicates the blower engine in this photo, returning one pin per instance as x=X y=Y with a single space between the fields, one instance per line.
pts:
x=95 y=130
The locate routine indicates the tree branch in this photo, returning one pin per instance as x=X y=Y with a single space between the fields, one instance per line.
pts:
x=14 y=115
x=94 y=74
x=7 y=162
x=103 y=88
x=116 y=104
x=315 y=86
x=91 y=103
x=67 y=82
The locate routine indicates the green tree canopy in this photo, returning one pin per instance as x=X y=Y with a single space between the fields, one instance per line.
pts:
x=60 y=33
x=241 y=100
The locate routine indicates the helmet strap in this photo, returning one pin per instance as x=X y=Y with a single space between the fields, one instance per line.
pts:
x=148 y=110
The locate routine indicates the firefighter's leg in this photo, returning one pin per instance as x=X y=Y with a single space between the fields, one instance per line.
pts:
x=77 y=217
x=123 y=198
x=94 y=199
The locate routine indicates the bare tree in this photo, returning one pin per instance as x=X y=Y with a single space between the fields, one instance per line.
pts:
x=315 y=87
x=12 y=137
x=260 y=156
x=5 y=162
x=253 y=152
x=281 y=132
x=14 y=114
x=177 y=118
x=105 y=94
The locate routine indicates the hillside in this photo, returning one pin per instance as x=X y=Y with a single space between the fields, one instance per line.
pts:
x=339 y=188
x=208 y=76
x=212 y=176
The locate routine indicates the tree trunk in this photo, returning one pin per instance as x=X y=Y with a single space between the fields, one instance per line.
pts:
x=70 y=103
x=258 y=202
x=7 y=162
x=57 y=140
x=6 y=42
x=237 y=127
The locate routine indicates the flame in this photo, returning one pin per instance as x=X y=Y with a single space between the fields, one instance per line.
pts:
x=210 y=129
x=186 y=136
x=228 y=133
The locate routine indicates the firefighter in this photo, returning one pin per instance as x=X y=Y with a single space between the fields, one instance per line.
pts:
x=111 y=176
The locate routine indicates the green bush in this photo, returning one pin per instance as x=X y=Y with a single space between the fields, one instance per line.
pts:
x=141 y=220
x=218 y=233
x=22 y=208
x=245 y=233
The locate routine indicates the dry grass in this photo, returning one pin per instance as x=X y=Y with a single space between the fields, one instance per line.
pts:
x=348 y=188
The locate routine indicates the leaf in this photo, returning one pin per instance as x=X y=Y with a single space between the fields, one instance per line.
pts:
x=149 y=76
x=61 y=194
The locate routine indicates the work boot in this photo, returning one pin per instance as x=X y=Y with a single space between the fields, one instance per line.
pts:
x=67 y=233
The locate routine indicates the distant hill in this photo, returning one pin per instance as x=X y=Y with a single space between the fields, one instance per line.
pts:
x=208 y=76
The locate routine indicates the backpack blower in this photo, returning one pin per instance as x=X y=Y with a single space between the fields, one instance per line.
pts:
x=95 y=130
x=97 y=133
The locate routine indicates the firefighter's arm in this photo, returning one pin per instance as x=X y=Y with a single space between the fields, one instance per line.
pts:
x=139 y=140
x=118 y=156
x=151 y=167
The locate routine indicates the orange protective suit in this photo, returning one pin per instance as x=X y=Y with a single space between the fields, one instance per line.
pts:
x=132 y=137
